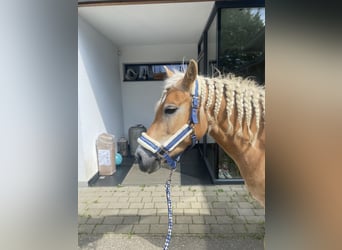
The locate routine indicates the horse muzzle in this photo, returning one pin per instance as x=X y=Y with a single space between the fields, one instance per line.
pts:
x=147 y=161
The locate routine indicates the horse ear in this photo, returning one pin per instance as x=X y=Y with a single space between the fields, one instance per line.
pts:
x=190 y=74
x=169 y=73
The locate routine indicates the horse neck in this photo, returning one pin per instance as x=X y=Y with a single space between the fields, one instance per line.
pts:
x=235 y=114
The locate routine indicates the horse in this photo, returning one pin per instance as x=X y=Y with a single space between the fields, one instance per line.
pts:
x=231 y=109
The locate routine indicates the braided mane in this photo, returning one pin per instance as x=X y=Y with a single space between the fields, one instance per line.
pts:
x=243 y=93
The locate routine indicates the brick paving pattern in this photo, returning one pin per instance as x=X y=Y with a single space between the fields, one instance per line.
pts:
x=225 y=210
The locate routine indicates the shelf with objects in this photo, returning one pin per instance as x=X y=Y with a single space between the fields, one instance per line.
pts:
x=150 y=71
x=233 y=41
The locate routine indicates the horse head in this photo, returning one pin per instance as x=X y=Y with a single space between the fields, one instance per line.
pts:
x=174 y=125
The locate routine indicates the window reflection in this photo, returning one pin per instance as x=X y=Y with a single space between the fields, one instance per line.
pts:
x=242 y=42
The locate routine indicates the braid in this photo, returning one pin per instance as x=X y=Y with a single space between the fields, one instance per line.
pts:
x=210 y=99
x=239 y=105
x=248 y=112
x=230 y=91
x=218 y=99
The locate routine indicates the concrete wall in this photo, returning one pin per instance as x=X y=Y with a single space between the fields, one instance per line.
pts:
x=99 y=96
x=139 y=98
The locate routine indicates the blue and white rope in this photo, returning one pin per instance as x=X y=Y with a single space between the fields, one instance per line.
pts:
x=169 y=210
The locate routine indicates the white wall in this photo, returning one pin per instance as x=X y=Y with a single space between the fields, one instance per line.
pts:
x=99 y=96
x=139 y=98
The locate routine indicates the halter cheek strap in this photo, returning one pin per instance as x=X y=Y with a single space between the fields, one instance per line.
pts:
x=163 y=150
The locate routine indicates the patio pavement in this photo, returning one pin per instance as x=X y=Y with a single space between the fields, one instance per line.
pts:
x=135 y=217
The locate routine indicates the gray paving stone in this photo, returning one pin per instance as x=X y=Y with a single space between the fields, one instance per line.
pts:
x=149 y=220
x=85 y=228
x=221 y=229
x=239 y=228
x=209 y=219
x=181 y=219
x=123 y=228
x=224 y=219
x=180 y=229
x=113 y=220
x=130 y=220
x=101 y=229
x=217 y=211
x=158 y=228
x=198 y=220
x=223 y=210
x=245 y=211
x=141 y=229
x=199 y=229
x=95 y=221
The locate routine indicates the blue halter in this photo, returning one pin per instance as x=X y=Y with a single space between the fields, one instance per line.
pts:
x=162 y=151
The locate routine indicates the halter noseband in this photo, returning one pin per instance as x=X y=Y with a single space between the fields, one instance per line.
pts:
x=162 y=150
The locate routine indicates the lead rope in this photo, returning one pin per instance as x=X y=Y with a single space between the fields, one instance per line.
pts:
x=169 y=210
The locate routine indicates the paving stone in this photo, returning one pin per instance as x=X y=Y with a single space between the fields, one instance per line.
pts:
x=199 y=229
x=204 y=211
x=94 y=212
x=224 y=219
x=147 y=199
x=259 y=211
x=133 y=194
x=198 y=219
x=101 y=229
x=158 y=228
x=122 y=199
x=183 y=205
x=201 y=198
x=136 y=205
x=148 y=211
x=113 y=211
x=196 y=204
x=255 y=219
x=210 y=219
x=245 y=205
x=129 y=211
x=135 y=200
x=245 y=211
x=191 y=211
x=118 y=205
x=239 y=228
x=86 y=228
x=180 y=229
x=149 y=220
x=219 y=204
x=123 y=229
x=232 y=212
x=224 y=198
x=221 y=229
x=162 y=211
x=82 y=219
x=113 y=220
x=232 y=205
x=160 y=205
x=148 y=205
x=239 y=219
x=131 y=220
x=180 y=219
x=217 y=211
x=141 y=229
x=95 y=221
x=178 y=211
x=159 y=199
x=164 y=219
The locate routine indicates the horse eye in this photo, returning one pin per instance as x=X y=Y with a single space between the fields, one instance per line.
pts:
x=170 y=110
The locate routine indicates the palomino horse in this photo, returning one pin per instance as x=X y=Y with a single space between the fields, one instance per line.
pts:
x=230 y=109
